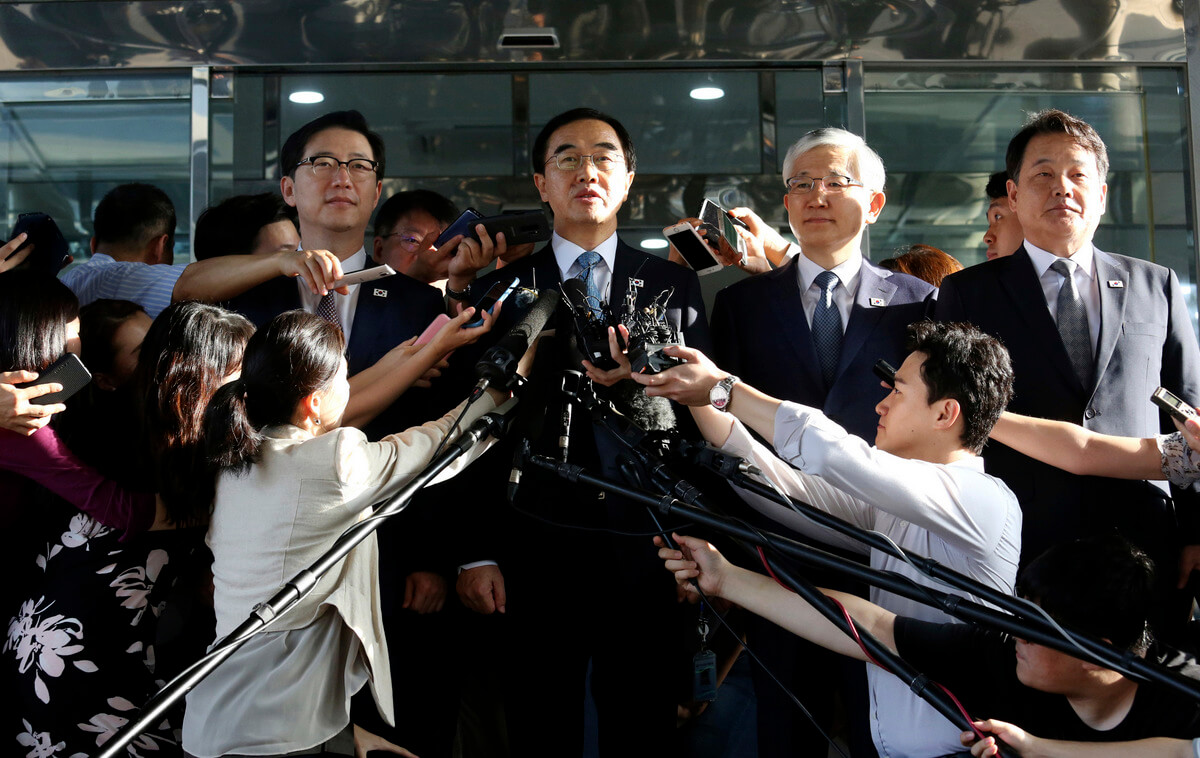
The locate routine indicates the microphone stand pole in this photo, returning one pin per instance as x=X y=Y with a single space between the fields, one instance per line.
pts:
x=298 y=586
x=1033 y=629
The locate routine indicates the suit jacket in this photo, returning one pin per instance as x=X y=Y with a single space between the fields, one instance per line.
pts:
x=589 y=446
x=761 y=335
x=1146 y=340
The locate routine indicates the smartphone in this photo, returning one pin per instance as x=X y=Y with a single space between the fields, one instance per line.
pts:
x=518 y=228
x=1175 y=408
x=494 y=296
x=434 y=326
x=50 y=251
x=463 y=225
x=886 y=372
x=693 y=248
x=364 y=275
x=718 y=221
x=68 y=371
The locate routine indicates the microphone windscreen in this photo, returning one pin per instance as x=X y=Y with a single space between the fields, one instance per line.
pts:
x=575 y=292
x=654 y=414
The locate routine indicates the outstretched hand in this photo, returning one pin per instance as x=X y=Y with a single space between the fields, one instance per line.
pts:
x=695 y=559
x=609 y=377
x=1011 y=735
x=687 y=384
x=17 y=413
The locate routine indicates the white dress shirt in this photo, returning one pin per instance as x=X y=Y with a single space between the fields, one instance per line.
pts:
x=566 y=254
x=1085 y=283
x=843 y=294
x=345 y=303
x=954 y=513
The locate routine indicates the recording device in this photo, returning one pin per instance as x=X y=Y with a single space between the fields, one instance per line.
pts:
x=717 y=221
x=886 y=372
x=496 y=295
x=693 y=248
x=364 y=275
x=499 y=364
x=649 y=329
x=463 y=225
x=50 y=251
x=68 y=371
x=1174 y=406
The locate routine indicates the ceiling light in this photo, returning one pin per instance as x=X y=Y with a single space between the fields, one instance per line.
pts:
x=707 y=92
x=654 y=243
x=306 y=97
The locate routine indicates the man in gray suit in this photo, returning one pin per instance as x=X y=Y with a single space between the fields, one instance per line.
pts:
x=1091 y=335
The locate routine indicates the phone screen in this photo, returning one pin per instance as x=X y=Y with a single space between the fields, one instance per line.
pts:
x=691 y=246
x=498 y=292
x=717 y=219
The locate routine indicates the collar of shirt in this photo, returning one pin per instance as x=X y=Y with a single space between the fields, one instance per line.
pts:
x=566 y=252
x=1084 y=259
x=847 y=272
x=345 y=303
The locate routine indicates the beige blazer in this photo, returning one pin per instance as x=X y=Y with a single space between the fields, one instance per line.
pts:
x=289 y=508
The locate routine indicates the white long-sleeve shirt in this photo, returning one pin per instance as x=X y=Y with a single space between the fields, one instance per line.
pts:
x=954 y=513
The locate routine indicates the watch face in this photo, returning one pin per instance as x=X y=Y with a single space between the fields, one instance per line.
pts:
x=718 y=396
x=720 y=402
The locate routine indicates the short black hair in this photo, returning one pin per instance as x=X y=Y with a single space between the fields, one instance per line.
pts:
x=964 y=364
x=1055 y=122
x=232 y=225
x=403 y=203
x=538 y=157
x=1100 y=585
x=99 y=321
x=133 y=214
x=291 y=152
x=997 y=186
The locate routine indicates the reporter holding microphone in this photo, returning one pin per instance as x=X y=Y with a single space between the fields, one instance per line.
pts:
x=287 y=481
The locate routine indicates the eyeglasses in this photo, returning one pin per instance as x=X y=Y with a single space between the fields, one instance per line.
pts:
x=325 y=166
x=834 y=184
x=407 y=241
x=603 y=160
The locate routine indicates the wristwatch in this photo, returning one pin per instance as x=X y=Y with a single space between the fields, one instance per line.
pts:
x=456 y=295
x=721 y=393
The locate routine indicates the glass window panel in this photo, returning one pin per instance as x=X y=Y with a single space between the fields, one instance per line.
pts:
x=431 y=124
x=66 y=141
x=800 y=107
x=674 y=133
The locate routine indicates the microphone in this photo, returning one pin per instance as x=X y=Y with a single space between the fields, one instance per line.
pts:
x=591 y=333
x=499 y=364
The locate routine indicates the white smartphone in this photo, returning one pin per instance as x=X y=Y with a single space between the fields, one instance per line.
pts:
x=364 y=275
x=692 y=247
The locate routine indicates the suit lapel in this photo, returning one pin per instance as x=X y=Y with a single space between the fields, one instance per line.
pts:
x=874 y=293
x=784 y=296
x=1112 y=310
x=1021 y=283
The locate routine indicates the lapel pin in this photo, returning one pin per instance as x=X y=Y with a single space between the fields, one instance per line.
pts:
x=380 y=292
x=877 y=302
x=1116 y=284
x=637 y=282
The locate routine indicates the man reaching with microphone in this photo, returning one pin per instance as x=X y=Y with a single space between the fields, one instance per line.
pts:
x=922 y=485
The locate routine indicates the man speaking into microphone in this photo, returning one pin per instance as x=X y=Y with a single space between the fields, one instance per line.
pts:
x=583 y=167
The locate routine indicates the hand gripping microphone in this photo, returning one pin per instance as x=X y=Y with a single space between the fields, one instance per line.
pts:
x=499 y=364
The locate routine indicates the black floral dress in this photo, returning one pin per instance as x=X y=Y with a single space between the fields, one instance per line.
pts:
x=80 y=646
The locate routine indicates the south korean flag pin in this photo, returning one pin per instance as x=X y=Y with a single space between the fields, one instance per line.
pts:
x=380 y=292
x=877 y=302
x=637 y=282
x=1116 y=284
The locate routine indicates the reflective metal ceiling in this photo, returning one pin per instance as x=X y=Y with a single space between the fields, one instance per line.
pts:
x=75 y=34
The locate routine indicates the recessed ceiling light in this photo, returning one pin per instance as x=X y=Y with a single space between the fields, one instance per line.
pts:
x=707 y=93
x=306 y=97
x=654 y=243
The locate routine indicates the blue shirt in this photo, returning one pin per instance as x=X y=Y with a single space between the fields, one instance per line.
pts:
x=102 y=277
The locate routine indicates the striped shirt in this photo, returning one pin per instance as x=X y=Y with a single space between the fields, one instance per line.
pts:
x=102 y=277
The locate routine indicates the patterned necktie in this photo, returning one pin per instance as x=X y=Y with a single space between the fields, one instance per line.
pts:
x=588 y=261
x=1073 y=322
x=827 y=327
x=327 y=309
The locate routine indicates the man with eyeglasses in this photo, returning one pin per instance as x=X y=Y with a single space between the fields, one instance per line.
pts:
x=404 y=229
x=810 y=332
x=556 y=624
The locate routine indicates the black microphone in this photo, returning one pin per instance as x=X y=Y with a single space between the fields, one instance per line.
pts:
x=499 y=364
x=591 y=333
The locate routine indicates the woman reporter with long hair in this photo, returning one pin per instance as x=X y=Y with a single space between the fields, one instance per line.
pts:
x=288 y=481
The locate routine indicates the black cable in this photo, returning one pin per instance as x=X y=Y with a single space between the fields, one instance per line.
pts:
x=454 y=426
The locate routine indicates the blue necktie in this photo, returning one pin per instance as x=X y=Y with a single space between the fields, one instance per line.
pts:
x=327 y=309
x=827 y=327
x=588 y=261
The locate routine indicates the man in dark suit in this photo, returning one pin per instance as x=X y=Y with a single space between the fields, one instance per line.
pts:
x=331 y=170
x=786 y=333
x=1091 y=335
x=556 y=623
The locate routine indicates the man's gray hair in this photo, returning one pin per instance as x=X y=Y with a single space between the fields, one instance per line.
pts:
x=865 y=164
